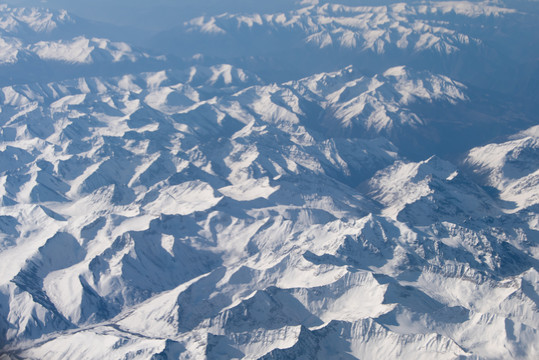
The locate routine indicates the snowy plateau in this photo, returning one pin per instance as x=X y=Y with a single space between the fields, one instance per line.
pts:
x=239 y=179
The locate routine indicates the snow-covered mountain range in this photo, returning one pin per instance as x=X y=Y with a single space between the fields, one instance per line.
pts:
x=330 y=181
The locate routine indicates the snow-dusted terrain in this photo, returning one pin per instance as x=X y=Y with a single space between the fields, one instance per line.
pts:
x=323 y=181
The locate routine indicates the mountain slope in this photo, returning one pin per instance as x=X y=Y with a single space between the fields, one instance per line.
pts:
x=510 y=167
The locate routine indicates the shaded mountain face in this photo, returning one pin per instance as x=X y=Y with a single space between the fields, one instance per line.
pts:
x=294 y=180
